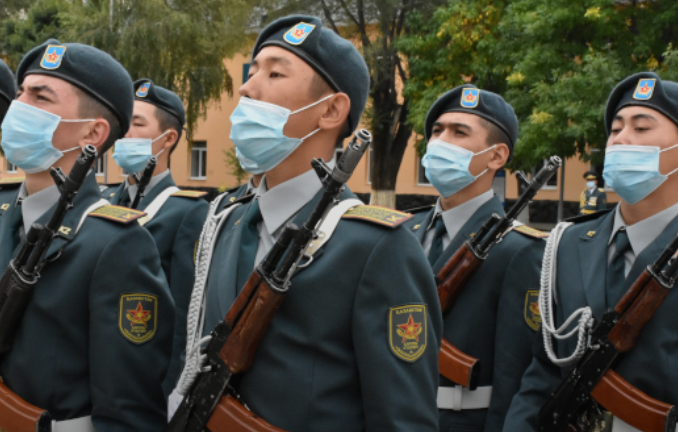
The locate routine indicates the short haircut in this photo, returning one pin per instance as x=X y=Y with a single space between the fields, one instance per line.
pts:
x=168 y=121
x=88 y=107
x=4 y=106
x=494 y=134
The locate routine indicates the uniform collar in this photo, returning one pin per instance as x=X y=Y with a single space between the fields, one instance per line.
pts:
x=282 y=202
x=250 y=188
x=35 y=205
x=132 y=189
x=642 y=233
x=456 y=217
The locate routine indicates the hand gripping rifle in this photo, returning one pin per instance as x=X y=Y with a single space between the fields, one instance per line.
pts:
x=572 y=407
x=18 y=282
x=210 y=403
x=143 y=180
x=454 y=365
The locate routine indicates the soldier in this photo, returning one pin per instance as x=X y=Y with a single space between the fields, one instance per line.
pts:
x=593 y=198
x=94 y=343
x=332 y=358
x=600 y=255
x=7 y=88
x=174 y=217
x=471 y=134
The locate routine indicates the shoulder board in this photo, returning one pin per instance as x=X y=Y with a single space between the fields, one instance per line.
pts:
x=587 y=217
x=420 y=209
x=189 y=194
x=530 y=232
x=378 y=215
x=12 y=181
x=117 y=213
x=601 y=190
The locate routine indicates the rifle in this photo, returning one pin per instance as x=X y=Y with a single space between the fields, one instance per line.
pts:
x=573 y=406
x=235 y=340
x=143 y=180
x=456 y=366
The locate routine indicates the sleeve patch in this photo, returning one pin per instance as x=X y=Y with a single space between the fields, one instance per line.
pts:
x=531 y=232
x=532 y=312
x=189 y=194
x=138 y=317
x=407 y=331
x=117 y=213
x=378 y=215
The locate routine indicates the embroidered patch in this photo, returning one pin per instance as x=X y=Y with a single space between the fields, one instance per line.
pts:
x=470 y=97
x=407 y=331
x=117 y=213
x=645 y=89
x=53 y=56
x=532 y=312
x=142 y=91
x=530 y=232
x=138 y=317
x=379 y=215
x=298 y=34
x=189 y=194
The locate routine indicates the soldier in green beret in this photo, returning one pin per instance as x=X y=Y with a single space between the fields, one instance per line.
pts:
x=94 y=343
x=354 y=345
x=7 y=88
x=471 y=134
x=599 y=256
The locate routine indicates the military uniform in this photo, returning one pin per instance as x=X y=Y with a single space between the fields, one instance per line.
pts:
x=7 y=88
x=77 y=352
x=592 y=201
x=496 y=318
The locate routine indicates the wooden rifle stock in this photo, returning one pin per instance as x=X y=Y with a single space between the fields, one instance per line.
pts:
x=17 y=415
x=455 y=274
x=231 y=416
x=458 y=367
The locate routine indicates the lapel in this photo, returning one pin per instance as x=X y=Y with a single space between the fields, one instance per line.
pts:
x=6 y=231
x=470 y=227
x=166 y=182
x=420 y=233
x=593 y=261
x=117 y=198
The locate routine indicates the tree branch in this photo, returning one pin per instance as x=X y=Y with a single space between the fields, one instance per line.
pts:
x=328 y=16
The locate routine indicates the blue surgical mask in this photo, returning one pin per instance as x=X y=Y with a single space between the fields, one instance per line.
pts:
x=447 y=167
x=591 y=184
x=257 y=133
x=633 y=171
x=27 y=137
x=132 y=154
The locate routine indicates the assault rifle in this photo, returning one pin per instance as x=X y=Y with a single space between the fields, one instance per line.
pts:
x=572 y=407
x=143 y=180
x=455 y=365
x=210 y=403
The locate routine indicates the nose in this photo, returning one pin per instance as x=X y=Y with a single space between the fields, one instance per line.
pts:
x=624 y=136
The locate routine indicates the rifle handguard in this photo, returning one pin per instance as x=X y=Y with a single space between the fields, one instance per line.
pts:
x=231 y=416
x=455 y=274
x=460 y=368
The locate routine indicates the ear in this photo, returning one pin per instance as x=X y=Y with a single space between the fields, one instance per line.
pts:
x=336 y=113
x=98 y=133
x=499 y=158
x=170 y=139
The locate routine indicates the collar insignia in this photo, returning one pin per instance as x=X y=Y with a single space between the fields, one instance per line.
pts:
x=645 y=89
x=52 y=57
x=591 y=233
x=470 y=97
x=298 y=34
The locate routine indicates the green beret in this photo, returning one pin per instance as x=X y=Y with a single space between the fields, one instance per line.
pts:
x=643 y=89
x=7 y=83
x=333 y=57
x=146 y=91
x=470 y=99
x=88 y=68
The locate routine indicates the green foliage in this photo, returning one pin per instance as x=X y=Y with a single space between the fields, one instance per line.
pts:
x=235 y=169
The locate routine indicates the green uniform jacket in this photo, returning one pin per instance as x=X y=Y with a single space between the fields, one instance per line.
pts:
x=176 y=230
x=491 y=320
x=70 y=355
x=581 y=281
x=591 y=202
x=325 y=362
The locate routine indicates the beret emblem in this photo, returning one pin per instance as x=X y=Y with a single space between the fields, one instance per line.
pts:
x=645 y=89
x=142 y=91
x=470 y=97
x=298 y=34
x=52 y=57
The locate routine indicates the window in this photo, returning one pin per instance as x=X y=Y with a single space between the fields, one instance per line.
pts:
x=199 y=160
x=11 y=168
x=245 y=72
x=99 y=166
x=421 y=174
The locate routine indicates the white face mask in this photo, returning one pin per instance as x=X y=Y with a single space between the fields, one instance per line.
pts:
x=132 y=154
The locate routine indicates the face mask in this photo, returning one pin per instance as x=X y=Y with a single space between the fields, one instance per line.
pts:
x=257 y=133
x=27 y=137
x=633 y=171
x=132 y=154
x=591 y=184
x=447 y=167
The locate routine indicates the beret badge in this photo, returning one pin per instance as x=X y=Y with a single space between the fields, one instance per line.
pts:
x=298 y=34
x=52 y=57
x=470 y=97
x=645 y=89
x=142 y=91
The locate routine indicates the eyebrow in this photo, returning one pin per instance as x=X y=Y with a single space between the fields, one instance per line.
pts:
x=277 y=59
x=138 y=116
x=637 y=117
x=40 y=88
x=452 y=124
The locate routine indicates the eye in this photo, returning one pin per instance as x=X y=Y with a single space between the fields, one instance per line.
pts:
x=275 y=75
x=460 y=133
x=42 y=98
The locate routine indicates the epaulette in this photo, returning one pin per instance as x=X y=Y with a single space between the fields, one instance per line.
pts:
x=117 y=213
x=530 y=232
x=601 y=190
x=11 y=181
x=420 y=209
x=189 y=194
x=378 y=215
x=587 y=217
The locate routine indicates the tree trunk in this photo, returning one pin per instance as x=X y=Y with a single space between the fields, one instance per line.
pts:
x=383 y=198
x=562 y=192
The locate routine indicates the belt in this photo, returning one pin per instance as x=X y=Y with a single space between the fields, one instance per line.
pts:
x=82 y=424
x=619 y=425
x=459 y=398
